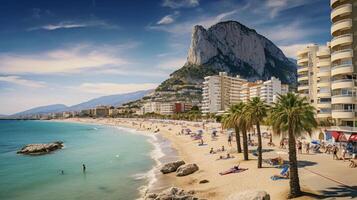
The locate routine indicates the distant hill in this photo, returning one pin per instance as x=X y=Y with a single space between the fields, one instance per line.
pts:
x=110 y=100
x=42 y=110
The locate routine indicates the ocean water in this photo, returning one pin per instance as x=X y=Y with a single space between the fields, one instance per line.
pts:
x=116 y=162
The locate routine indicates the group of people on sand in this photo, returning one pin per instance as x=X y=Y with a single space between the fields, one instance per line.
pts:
x=299 y=146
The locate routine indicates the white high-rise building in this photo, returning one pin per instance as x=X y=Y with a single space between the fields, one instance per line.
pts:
x=222 y=91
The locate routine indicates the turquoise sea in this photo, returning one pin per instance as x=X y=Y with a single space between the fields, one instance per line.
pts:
x=116 y=162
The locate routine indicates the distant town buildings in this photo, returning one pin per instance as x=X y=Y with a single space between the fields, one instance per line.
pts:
x=165 y=108
x=221 y=91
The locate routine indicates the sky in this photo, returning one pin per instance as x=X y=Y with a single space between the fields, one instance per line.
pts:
x=70 y=51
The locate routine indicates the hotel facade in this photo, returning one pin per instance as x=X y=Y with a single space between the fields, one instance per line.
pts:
x=221 y=91
x=327 y=74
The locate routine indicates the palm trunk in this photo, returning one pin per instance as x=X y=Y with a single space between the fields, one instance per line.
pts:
x=294 y=175
x=245 y=144
x=239 y=148
x=260 y=156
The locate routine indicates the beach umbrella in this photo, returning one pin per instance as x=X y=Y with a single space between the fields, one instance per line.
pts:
x=315 y=142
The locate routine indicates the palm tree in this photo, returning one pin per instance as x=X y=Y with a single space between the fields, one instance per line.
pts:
x=256 y=111
x=244 y=125
x=294 y=115
x=230 y=120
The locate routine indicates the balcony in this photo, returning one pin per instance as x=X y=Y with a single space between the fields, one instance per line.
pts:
x=343 y=83
x=303 y=69
x=323 y=63
x=332 y=2
x=323 y=94
x=324 y=83
x=341 y=25
x=344 y=9
x=301 y=61
x=343 y=114
x=324 y=72
x=342 y=40
x=303 y=78
x=324 y=104
x=342 y=69
x=341 y=54
x=303 y=87
x=323 y=52
x=323 y=115
x=343 y=99
x=302 y=52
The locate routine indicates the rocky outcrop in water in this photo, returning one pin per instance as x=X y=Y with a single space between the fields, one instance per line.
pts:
x=172 y=166
x=39 y=149
x=172 y=194
x=187 y=169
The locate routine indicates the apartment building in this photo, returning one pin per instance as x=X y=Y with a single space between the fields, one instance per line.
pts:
x=222 y=91
x=327 y=74
x=314 y=77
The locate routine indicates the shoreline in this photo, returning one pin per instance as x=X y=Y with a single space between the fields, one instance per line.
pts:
x=155 y=180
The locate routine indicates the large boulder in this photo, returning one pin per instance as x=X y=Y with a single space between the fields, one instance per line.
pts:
x=172 y=166
x=172 y=193
x=250 y=195
x=187 y=169
x=39 y=149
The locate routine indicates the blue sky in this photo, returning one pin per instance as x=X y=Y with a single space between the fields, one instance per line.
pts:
x=70 y=51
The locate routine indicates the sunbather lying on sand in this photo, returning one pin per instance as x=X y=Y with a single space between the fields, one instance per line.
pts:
x=274 y=161
x=234 y=169
x=284 y=174
x=224 y=158
x=352 y=164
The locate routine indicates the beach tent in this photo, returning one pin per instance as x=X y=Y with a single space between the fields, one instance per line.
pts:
x=353 y=138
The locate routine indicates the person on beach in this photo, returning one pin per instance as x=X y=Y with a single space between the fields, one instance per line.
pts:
x=307 y=147
x=223 y=148
x=212 y=151
x=334 y=151
x=84 y=168
x=230 y=140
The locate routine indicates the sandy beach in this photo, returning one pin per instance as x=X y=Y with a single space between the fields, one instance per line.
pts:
x=320 y=176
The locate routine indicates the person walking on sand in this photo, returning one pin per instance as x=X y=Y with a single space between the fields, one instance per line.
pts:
x=334 y=151
x=84 y=168
x=307 y=147
x=230 y=140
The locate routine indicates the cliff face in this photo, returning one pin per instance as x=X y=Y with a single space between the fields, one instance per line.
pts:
x=234 y=48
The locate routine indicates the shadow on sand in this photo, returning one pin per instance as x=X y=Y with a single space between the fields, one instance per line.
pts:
x=341 y=191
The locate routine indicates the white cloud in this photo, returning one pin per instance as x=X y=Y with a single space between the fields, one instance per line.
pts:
x=291 y=50
x=180 y=3
x=168 y=19
x=71 y=25
x=186 y=27
x=114 y=88
x=68 y=60
x=290 y=33
x=274 y=7
x=22 y=82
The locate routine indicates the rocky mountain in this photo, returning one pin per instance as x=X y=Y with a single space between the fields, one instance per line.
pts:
x=110 y=100
x=234 y=48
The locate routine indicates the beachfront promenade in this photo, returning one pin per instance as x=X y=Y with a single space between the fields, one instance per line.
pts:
x=320 y=175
